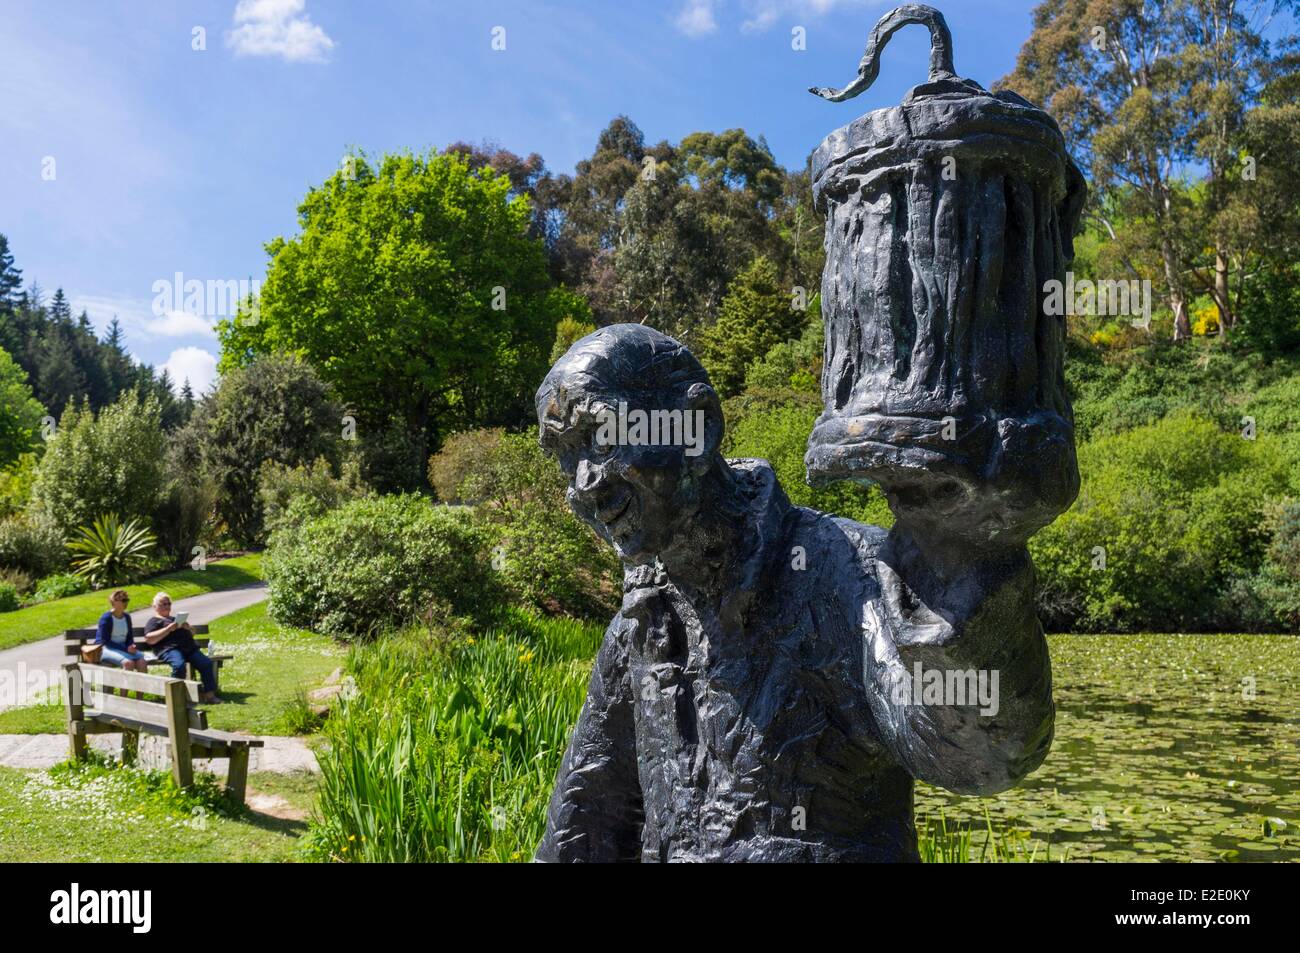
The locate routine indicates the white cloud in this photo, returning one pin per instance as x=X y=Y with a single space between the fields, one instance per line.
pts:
x=192 y=364
x=277 y=28
x=180 y=324
x=696 y=18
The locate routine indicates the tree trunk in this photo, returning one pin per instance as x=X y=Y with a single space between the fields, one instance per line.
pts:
x=1222 y=298
x=1177 y=303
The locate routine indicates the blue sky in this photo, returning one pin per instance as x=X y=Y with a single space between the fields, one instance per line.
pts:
x=170 y=159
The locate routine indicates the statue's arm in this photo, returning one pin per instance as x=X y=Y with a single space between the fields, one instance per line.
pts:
x=595 y=813
x=978 y=621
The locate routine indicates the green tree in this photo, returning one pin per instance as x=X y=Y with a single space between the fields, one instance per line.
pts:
x=1148 y=92
x=756 y=316
x=96 y=465
x=277 y=410
x=416 y=291
x=20 y=412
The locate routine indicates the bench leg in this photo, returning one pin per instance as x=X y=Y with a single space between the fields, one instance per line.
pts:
x=178 y=734
x=237 y=779
x=77 y=739
x=72 y=702
x=130 y=747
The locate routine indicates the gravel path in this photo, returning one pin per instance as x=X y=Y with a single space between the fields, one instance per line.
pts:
x=281 y=755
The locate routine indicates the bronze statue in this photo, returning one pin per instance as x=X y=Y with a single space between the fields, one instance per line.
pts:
x=777 y=677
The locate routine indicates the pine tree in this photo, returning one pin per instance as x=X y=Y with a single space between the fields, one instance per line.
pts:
x=60 y=310
x=11 y=278
x=756 y=315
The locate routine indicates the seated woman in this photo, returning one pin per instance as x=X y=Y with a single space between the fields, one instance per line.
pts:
x=175 y=646
x=113 y=635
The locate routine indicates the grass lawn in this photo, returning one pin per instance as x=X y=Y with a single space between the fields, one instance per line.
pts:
x=78 y=612
x=57 y=816
x=272 y=667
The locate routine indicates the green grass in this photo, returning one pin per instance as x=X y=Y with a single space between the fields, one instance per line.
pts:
x=273 y=667
x=83 y=611
x=449 y=749
x=57 y=815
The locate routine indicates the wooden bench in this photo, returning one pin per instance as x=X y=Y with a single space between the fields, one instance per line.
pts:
x=98 y=702
x=75 y=639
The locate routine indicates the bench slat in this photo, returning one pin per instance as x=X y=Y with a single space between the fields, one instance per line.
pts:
x=100 y=703
x=102 y=676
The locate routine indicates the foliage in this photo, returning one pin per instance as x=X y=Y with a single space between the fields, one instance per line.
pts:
x=378 y=562
x=1167 y=516
x=290 y=496
x=20 y=412
x=546 y=557
x=59 y=586
x=274 y=409
x=8 y=597
x=1270 y=311
x=567 y=333
x=110 y=463
x=756 y=316
x=184 y=516
x=1277 y=585
x=109 y=552
x=1151 y=94
x=16 y=485
x=793 y=364
x=21 y=580
x=449 y=748
x=405 y=309
x=774 y=426
x=31 y=544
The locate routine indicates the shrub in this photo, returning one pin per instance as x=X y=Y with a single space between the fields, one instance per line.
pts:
x=1277 y=585
x=112 y=463
x=33 y=545
x=21 y=580
x=185 y=515
x=110 y=552
x=60 y=586
x=379 y=562
x=463 y=457
x=547 y=558
x=16 y=485
x=796 y=363
x=291 y=495
x=1167 y=517
x=8 y=597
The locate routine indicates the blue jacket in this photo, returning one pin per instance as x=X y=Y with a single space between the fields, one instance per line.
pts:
x=104 y=631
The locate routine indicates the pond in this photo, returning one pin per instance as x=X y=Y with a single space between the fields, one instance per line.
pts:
x=1168 y=747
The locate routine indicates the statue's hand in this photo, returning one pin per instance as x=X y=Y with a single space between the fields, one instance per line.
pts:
x=994 y=485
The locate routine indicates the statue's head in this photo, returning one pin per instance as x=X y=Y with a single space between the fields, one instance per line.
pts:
x=631 y=417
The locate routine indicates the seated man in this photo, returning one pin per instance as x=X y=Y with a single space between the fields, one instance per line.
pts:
x=753 y=698
x=175 y=645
